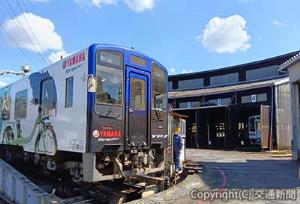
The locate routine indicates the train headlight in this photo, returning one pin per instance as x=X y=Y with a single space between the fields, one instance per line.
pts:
x=92 y=84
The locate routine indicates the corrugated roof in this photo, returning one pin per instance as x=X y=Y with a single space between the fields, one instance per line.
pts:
x=220 y=90
x=290 y=61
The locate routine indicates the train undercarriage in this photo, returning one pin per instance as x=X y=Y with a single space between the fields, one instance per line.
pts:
x=92 y=167
x=117 y=182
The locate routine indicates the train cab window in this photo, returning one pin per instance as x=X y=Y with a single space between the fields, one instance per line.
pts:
x=69 y=92
x=49 y=97
x=137 y=94
x=109 y=72
x=21 y=104
x=159 y=88
x=110 y=57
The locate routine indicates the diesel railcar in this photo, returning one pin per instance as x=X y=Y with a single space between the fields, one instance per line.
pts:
x=99 y=114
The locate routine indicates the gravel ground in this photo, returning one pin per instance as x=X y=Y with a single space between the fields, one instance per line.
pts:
x=174 y=193
x=234 y=170
x=244 y=171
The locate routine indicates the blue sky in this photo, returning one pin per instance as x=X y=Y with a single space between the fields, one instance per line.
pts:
x=185 y=36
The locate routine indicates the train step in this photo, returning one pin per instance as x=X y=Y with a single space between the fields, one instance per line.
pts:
x=193 y=167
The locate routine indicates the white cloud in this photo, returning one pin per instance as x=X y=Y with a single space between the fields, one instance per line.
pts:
x=278 y=23
x=135 y=5
x=226 y=35
x=184 y=71
x=140 y=5
x=172 y=71
x=97 y=3
x=44 y=37
x=56 y=56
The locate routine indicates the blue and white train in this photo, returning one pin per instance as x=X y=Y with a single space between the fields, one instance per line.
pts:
x=100 y=114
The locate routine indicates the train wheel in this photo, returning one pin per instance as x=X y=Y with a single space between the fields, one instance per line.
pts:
x=46 y=142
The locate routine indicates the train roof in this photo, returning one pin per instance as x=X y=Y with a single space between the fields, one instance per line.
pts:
x=129 y=50
x=124 y=49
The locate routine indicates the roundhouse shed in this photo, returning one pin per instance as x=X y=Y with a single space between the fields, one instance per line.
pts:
x=245 y=106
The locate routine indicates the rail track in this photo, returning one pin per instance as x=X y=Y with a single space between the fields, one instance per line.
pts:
x=62 y=189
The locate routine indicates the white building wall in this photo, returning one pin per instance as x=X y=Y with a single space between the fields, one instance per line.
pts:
x=294 y=74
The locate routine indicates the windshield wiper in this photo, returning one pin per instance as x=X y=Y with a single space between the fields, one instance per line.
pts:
x=108 y=114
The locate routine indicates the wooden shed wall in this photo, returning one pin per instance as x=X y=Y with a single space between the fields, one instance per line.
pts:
x=283 y=117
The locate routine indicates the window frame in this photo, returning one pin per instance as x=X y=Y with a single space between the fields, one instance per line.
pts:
x=152 y=88
x=66 y=92
x=15 y=112
x=42 y=96
x=111 y=66
x=137 y=60
x=224 y=79
x=143 y=95
x=189 y=84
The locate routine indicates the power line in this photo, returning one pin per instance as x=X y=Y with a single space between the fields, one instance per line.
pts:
x=12 y=38
x=30 y=27
x=16 y=44
x=21 y=26
x=32 y=6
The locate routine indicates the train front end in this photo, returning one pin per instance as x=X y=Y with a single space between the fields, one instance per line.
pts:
x=127 y=114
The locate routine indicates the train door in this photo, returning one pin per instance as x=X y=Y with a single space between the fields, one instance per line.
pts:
x=46 y=142
x=138 y=107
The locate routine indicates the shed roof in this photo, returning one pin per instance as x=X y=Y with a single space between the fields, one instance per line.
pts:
x=290 y=62
x=221 y=90
x=251 y=65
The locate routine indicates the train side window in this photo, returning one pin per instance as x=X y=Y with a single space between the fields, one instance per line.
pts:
x=49 y=98
x=69 y=92
x=21 y=104
x=159 y=88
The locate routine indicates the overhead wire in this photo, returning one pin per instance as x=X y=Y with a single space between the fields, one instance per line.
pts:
x=24 y=30
x=32 y=7
x=21 y=26
x=17 y=45
x=31 y=29
x=13 y=40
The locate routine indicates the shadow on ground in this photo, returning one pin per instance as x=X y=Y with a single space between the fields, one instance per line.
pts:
x=247 y=174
